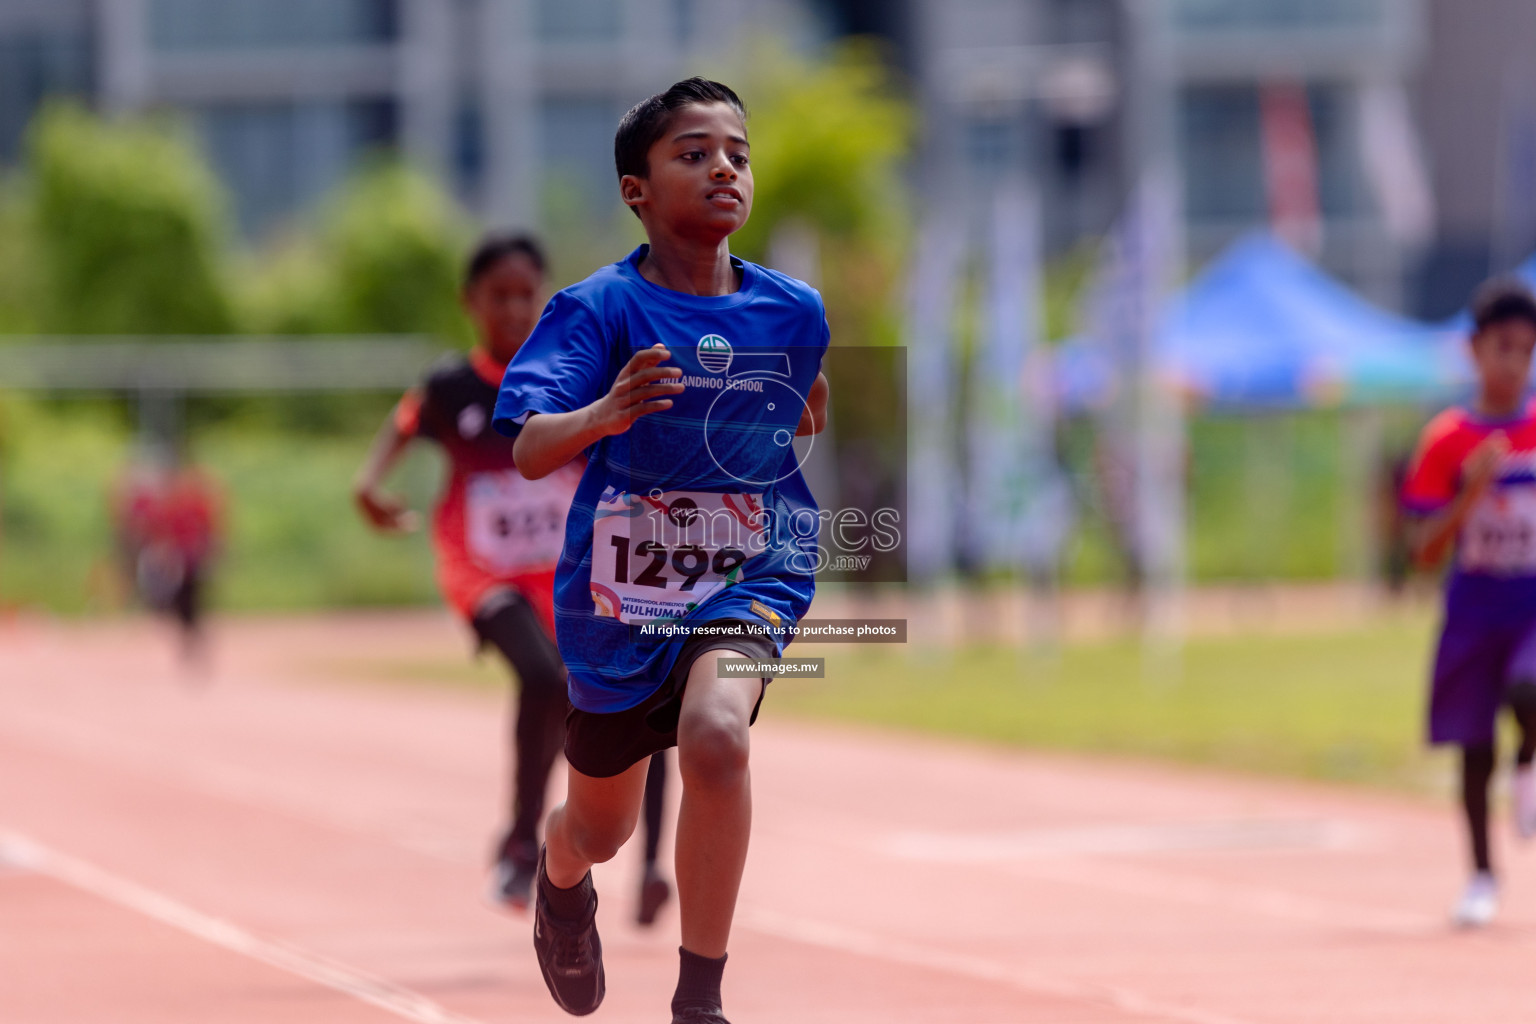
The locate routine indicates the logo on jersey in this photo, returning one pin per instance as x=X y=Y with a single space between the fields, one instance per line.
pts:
x=714 y=353
x=471 y=422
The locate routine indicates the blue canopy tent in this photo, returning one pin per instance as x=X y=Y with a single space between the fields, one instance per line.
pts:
x=1262 y=327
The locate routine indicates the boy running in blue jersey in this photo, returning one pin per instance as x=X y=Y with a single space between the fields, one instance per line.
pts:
x=684 y=373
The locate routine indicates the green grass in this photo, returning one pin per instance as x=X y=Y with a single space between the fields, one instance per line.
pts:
x=1341 y=706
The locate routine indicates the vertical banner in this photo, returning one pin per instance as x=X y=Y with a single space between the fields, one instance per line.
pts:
x=1290 y=165
x=1018 y=506
x=933 y=482
x=1160 y=432
x=1141 y=431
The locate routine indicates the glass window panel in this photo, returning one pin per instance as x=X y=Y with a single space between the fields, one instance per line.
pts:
x=1204 y=15
x=33 y=67
x=268 y=24
x=578 y=20
x=578 y=147
x=277 y=158
x=1222 y=156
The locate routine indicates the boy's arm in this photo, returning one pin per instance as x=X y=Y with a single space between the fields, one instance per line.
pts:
x=814 y=419
x=548 y=441
x=1431 y=536
x=383 y=511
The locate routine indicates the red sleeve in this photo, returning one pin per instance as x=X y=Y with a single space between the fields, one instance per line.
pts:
x=1434 y=476
x=408 y=413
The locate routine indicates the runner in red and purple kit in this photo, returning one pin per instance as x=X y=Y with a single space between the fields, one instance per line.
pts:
x=497 y=537
x=1472 y=485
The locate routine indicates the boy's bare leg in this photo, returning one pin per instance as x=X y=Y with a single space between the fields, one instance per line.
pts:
x=598 y=816
x=715 y=820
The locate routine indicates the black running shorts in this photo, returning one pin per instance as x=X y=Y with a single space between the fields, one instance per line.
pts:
x=603 y=746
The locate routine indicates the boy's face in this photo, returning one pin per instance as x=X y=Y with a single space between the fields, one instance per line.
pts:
x=504 y=302
x=1502 y=353
x=699 y=180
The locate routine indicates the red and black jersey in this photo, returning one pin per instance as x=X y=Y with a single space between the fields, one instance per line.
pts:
x=491 y=527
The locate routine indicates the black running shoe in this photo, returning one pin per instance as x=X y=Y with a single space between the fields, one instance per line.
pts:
x=698 y=1015
x=570 y=953
x=654 y=892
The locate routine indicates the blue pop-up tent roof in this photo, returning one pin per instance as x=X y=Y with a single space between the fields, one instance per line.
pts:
x=1261 y=326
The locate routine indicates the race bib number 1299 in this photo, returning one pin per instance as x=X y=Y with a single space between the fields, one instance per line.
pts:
x=659 y=555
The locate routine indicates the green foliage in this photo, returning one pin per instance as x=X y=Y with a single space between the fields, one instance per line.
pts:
x=384 y=259
x=397 y=244
x=21 y=300
x=128 y=223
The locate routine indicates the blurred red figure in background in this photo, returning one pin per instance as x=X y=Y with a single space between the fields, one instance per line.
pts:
x=169 y=527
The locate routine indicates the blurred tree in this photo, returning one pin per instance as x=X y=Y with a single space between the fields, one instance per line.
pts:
x=20 y=298
x=128 y=223
x=395 y=242
x=384 y=259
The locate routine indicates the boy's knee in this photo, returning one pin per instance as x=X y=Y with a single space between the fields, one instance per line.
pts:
x=598 y=842
x=712 y=751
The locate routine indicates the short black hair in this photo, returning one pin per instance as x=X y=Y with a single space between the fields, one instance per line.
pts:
x=647 y=120
x=1501 y=300
x=494 y=248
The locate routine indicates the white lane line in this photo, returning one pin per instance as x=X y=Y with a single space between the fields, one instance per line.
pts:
x=23 y=852
x=851 y=940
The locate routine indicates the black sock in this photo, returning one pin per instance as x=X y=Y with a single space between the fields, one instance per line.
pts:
x=698 y=981
x=572 y=904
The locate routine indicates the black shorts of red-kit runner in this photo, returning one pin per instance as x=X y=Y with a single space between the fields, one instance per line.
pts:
x=602 y=746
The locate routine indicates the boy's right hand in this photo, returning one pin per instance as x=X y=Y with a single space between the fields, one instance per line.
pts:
x=385 y=512
x=637 y=391
x=1482 y=466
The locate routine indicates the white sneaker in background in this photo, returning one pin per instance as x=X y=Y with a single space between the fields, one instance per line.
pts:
x=1479 y=903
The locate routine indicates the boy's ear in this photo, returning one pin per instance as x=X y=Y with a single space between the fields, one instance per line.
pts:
x=632 y=190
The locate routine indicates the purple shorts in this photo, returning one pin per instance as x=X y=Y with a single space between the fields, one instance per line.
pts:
x=1475 y=664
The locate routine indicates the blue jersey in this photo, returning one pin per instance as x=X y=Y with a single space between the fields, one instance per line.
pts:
x=698 y=512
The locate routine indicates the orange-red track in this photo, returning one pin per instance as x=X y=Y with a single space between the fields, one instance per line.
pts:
x=291 y=842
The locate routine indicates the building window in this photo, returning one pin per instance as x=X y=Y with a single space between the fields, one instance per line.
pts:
x=34 y=67
x=578 y=151
x=278 y=157
x=578 y=21
x=179 y=25
x=1207 y=15
x=1223 y=154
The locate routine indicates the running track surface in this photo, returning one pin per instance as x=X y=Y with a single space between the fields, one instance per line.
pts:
x=293 y=842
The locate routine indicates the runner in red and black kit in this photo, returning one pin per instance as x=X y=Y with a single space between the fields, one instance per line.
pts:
x=497 y=537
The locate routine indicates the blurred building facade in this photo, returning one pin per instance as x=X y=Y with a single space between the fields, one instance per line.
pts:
x=1279 y=110
x=503 y=99
x=1406 y=129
